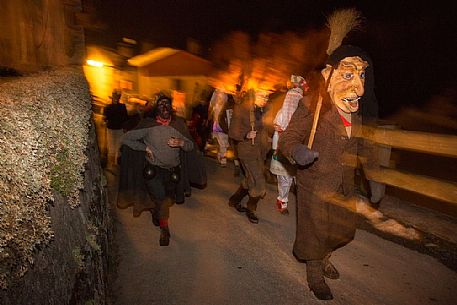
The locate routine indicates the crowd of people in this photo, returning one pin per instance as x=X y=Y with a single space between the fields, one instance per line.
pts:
x=314 y=137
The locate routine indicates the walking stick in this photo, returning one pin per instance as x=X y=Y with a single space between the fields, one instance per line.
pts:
x=318 y=110
x=252 y=121
x=315 y=120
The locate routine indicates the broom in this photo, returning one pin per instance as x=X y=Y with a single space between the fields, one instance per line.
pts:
x=340 y=23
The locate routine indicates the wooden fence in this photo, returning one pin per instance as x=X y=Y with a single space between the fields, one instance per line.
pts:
x=435 y=144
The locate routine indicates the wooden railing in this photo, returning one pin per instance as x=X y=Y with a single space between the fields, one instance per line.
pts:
x=430 y=143
x=438 y=144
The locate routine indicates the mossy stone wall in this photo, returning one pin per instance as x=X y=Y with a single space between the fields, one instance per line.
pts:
x=72 y=266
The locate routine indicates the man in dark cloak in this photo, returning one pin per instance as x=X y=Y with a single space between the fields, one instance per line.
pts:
x=156 y=157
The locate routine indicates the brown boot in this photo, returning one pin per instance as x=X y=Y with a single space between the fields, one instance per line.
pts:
x=251 y=208
x=330 y=270
x=316 y=281
x=235 y=199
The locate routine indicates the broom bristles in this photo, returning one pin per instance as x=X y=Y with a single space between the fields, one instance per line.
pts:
x=340 y=23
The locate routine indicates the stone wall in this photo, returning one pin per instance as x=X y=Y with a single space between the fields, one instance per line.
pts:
x=56 y=251
x=73 y=269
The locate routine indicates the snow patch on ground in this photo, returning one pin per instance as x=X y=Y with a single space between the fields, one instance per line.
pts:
x=384 y=224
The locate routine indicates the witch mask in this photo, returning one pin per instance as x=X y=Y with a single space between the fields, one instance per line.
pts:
x=346 y=83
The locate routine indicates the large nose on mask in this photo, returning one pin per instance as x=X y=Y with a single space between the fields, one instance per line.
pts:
x=358 y=86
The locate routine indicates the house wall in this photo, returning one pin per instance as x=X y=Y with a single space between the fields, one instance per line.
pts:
x=181 y=63
x=149 y=85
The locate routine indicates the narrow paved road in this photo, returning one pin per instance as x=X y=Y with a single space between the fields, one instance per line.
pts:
x=217 y=257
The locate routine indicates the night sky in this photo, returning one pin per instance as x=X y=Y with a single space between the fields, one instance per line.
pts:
x=411 y=42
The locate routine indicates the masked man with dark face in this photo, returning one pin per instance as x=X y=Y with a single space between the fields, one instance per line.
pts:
x=162 y=137
x=326 y=209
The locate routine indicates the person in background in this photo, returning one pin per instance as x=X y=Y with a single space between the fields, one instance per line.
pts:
x=198 y=124
x=217 y=103
x=224 y=119
x=282 y=168
x=115 y=116
x=237 y=99
x=249 y=131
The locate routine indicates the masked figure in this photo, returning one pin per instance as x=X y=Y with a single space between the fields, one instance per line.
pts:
x=160 y=147
x=249 y=130
x=326 y=217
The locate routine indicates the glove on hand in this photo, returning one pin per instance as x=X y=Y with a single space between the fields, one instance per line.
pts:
x=303 y=155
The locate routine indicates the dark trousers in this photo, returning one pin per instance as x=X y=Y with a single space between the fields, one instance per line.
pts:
x=162 y=191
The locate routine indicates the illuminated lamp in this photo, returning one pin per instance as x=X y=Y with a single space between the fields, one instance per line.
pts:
x=94 y=63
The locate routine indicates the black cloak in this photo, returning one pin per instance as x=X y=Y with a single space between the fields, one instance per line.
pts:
x=132 y=185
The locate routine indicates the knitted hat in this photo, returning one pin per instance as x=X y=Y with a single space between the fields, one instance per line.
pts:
x=346 y=51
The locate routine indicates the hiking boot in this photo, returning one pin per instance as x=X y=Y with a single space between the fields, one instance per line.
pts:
x=235 y=199
x=164 y=237
x=252 y=216
x=251 y=208
x=240 y=208
x=316 y=281
x=252 y=203
x=329 y=270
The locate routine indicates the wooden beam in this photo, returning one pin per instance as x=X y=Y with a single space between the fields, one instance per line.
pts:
x=438 y=144
x=434 y=188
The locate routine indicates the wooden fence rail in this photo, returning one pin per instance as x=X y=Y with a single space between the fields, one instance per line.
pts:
x=436 y=144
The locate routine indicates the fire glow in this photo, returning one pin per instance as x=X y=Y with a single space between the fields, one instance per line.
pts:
x=266 y=63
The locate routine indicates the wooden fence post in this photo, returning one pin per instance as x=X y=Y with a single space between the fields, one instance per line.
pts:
x=377 y=189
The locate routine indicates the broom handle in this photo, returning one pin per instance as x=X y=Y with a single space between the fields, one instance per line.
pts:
x=252 y=121
x=252 y=140
x=315 y=120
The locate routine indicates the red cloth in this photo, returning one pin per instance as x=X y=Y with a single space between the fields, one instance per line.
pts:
x=345 y=122
x=161 y=121
x=163 y=223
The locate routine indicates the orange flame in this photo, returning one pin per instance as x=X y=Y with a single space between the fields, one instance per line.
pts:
x=267 y=63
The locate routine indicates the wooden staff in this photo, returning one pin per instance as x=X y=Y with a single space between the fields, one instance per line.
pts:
x=252 y=121
x=318 y=110
x=315 y=121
